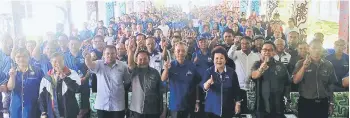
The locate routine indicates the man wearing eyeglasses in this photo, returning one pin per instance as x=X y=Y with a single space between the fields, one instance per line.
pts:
x=272 y=84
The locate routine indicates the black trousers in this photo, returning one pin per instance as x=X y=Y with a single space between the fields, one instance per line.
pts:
x=244 y=103
x=137 y=115
x=269 y=115
x=180 y=114
x=313 y=108
x=110 y=114
x=211 y=115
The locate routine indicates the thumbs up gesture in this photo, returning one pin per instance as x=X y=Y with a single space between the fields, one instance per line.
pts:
x=12 y=72
x=209 y=82
x=195 y=59
x=166 y=65
x=307 y=61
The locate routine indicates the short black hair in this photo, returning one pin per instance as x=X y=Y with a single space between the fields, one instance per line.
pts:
x=221 y=50
x=74 y=38
x=140 y=34
x=230 y=31
x=271 y=43
x=64 y=35
x=22 y=51
x=247 y=38
x=56 y=54
x=99 y=37
x=302 y=43
x=142 y=51
x=316 y=41
x=256 y=37
x=109 y=47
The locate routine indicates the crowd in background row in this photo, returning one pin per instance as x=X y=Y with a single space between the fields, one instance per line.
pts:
x=207 y=59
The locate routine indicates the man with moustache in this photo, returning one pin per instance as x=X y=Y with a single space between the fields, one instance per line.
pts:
x=281 y=55
x=147 y=97
x=316 y=78
x=272 y=84
x=183 y=80
x=293 y=41
x=244 y=60
x=112 y=75
x=303 y=51
x=258 y=42
x=229 y=41
x=98 y=45
x=121 y=52
x=155 y=56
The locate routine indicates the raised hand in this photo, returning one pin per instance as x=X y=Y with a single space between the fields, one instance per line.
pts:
x=209 y=82
x=132 y=46
x=166 y=65
x=307 y=61
x=12 y=72
x=86 y=54
x=264 y=65
x=196 y=59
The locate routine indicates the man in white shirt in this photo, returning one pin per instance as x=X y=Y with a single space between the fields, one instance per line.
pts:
x=112 y=76
x=164 y=28
x=281 y=55
x=244 y=60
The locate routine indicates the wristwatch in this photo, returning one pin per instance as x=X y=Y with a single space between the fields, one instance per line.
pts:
x=197 y=101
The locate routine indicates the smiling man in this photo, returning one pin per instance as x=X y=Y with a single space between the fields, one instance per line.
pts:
x=273 y=84
x=112 y=75
x=316 y=78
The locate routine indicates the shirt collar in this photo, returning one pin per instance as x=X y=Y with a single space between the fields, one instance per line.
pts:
x=65 y=70
x=225 y=70
x=251 y=51
x=28 y=69
x=176 y=63
x=124 y=57
x=154 y=52
x=283 y=53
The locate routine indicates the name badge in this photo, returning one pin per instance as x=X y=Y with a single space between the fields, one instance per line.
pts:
x=309 y=70
x=31 y=78
x=82 y=61
x=209 y=59
x=227 y=77
x=188 y=73
x=32 y=73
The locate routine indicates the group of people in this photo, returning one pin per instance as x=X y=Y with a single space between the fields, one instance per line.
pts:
x=207 y=69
